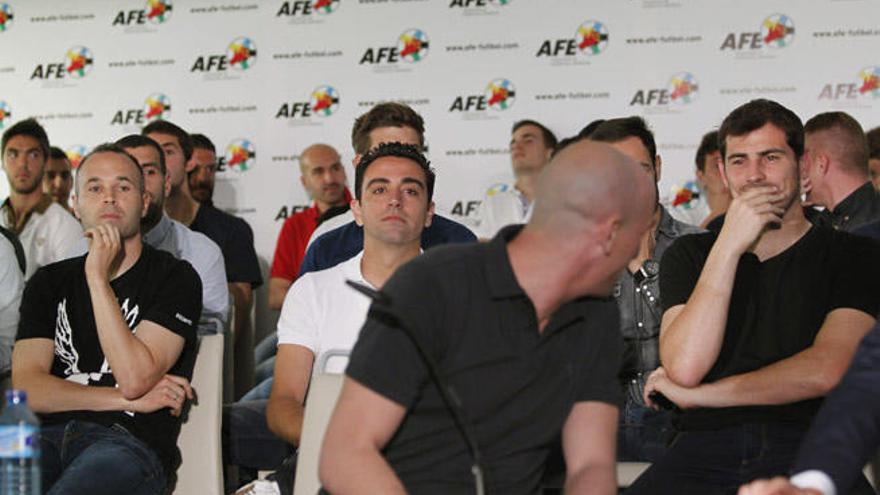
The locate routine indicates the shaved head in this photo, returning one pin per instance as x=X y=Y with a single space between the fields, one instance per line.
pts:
x=588 y=182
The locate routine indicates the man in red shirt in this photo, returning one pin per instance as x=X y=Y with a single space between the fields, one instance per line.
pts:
x=323 y=177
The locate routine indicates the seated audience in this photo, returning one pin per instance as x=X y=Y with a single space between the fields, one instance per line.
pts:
x=760 y=320
x=712 y=198
x=46 y=230
x=106 y=344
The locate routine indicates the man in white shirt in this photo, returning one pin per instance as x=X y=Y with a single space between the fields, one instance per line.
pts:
x=11 y=287
x=46 y=230
x=321 y=316
x=531 y=145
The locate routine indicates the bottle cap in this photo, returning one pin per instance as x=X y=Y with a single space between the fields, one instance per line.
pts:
x=16 y=396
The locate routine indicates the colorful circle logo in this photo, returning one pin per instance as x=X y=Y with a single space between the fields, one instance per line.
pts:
x=683 y=88
x=325 y=6
x=75 y=154
x=241 y=155
x=497 y=189
x=869 y=81
x=158 y=11
x=591 y=37
x=157 y=106
x=242 y=53
x=324 y=100
x=413 y=45
x=5 y=113
x=6 y=16
x=777 y=31
x=686 y=196
x=500 y=94
x=78 y=62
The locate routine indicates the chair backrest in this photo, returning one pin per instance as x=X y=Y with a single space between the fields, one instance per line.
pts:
x=201 y=471
x=323 y=391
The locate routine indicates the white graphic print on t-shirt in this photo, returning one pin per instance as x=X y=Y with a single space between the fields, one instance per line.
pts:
x=67 y=352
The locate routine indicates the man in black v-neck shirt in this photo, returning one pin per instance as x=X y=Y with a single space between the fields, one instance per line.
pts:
x=760 y=320
x=106 y=344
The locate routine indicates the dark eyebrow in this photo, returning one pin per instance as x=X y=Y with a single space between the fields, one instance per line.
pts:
x=379 y=180
x=771 y=151
x=410 y=180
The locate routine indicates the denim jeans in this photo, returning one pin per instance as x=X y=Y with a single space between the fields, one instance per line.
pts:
x=87 y=458
x=719 y=461
x=643 y=434
x=247 y=440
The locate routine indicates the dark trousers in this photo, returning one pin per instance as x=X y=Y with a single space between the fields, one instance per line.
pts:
x=719 y=461
x=88 y=458
x=643 y=434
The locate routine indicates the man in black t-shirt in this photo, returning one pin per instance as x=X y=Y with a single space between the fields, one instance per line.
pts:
x=524 y=331
x=106 y=342
x=760 y=320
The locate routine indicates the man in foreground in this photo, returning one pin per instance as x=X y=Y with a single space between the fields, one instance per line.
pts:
x=513 y=328
x=106 y=343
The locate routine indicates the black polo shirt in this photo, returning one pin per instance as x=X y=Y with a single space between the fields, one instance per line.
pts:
x=516 y=385
x=236 y=241
x=776 y=309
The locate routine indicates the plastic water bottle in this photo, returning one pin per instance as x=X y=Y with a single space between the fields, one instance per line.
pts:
x=19 y=447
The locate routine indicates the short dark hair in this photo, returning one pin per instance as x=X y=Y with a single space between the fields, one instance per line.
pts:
x=614 y=130
x=388 y=114
x=27 y=127
x=756 y=114
x=57 y=153
x=139 y=141
x=400 y=150
x=873 y=142
x=709 y=144
x=589 y=128
x=109 y=148
x=202 y=142
x=849 y=138
x=165 y=127
x=550 y=140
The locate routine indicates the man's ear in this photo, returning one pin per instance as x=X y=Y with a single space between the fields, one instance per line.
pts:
x=75 y=200
x=607 y=237
x=356 y=160
x=167 y=184
x=430 y=216
x=723 y=172
x=356 y=211
x=190 y=165
x=146 y=203
x=658 y=167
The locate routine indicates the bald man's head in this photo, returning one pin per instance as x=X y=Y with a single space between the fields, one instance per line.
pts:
x=589 y=181
x=323 y=175
x=593 y=203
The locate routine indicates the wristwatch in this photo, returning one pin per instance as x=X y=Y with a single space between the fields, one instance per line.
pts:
x=648 y=270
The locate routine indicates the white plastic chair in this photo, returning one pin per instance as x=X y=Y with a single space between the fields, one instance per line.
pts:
x=323 y=392
x=201 y=470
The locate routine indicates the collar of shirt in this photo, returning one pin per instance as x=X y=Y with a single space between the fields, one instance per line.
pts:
x=158 y=234
x=17 y=223
x=851 y=204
